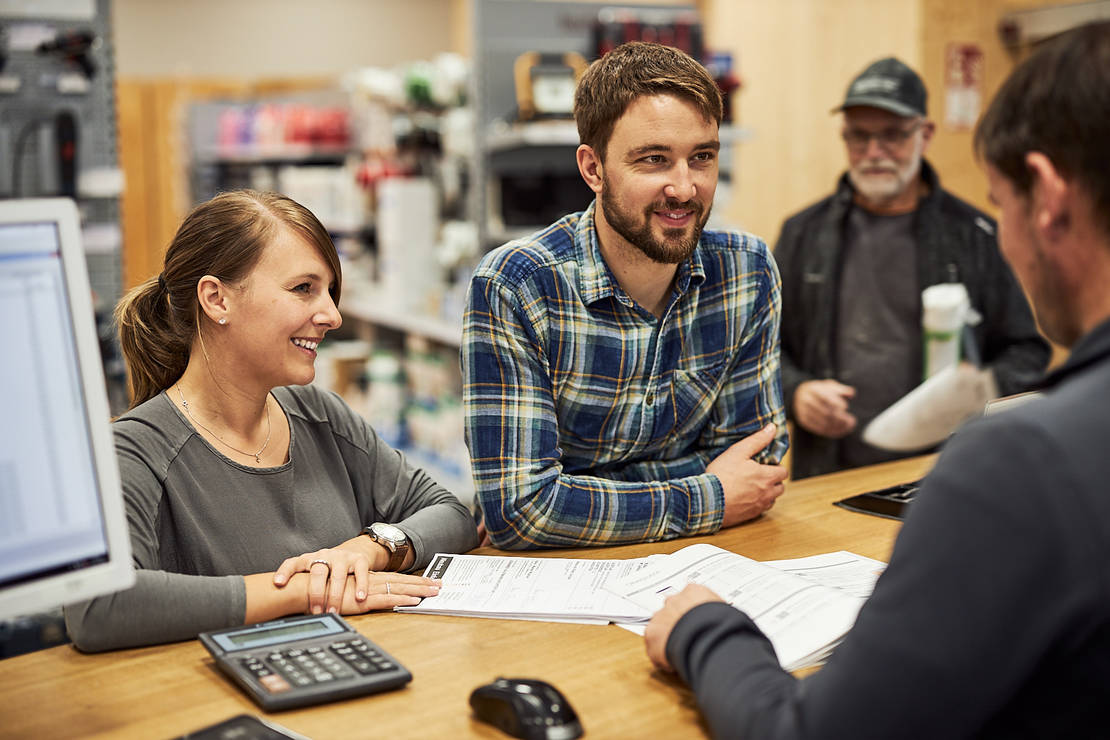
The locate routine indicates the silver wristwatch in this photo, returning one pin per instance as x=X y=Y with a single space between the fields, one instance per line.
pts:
x=392 y=539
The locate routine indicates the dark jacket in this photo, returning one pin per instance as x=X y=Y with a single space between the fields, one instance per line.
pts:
x=955 y=243
x=993 y=618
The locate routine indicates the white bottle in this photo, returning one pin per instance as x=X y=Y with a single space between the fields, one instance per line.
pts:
x=944 y=311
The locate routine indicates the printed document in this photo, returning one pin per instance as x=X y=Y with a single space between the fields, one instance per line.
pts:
x=548 y=589
x=844 y=570
x=803 y=605
x=802 y=617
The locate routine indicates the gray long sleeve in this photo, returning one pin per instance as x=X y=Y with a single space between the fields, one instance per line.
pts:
x=200 y=521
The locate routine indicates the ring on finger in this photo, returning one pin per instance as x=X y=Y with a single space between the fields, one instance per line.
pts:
x=388 y=589
x=322 y=561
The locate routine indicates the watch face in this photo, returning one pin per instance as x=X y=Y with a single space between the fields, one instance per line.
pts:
x=388 y=532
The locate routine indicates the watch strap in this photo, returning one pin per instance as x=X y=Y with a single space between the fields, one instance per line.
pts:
x=396 y=556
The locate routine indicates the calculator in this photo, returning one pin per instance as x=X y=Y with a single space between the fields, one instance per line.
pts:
x=298 y=661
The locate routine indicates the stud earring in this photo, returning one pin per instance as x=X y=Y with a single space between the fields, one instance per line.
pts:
x=221 y=322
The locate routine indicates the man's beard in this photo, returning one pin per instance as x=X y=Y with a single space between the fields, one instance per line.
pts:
x=884 y=188
x=675 y=247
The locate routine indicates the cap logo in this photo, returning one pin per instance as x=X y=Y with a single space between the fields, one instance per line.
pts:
x=873 y=85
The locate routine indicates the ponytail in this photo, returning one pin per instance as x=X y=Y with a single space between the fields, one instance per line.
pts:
x=155 y=346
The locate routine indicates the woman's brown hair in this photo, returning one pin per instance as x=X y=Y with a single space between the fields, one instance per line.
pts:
x=223 y=237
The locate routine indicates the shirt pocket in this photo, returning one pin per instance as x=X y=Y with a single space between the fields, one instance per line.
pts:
x=694 y=395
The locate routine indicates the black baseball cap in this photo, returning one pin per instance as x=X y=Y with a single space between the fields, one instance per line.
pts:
x=887 y=84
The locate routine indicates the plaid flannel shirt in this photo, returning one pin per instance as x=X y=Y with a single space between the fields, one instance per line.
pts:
x=589 y=420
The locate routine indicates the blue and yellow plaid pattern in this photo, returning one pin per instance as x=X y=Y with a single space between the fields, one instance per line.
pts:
x=589 y=420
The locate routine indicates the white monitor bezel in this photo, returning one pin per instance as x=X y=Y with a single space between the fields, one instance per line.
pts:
x=117 y=572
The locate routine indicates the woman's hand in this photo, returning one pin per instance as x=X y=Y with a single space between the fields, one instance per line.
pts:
x=328 y=570
x=387 y=590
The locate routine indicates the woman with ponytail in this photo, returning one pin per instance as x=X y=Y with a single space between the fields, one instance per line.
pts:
x=250 y=494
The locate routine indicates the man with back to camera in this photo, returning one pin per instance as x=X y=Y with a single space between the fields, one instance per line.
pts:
x=993 y=618
x=620 y=368
x=854 y=266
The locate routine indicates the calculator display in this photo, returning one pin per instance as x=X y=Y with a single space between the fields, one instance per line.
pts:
x=279 y=633
x=298 y=630
x=303 y=660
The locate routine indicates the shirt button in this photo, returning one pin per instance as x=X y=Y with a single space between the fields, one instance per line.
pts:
x=650 y=399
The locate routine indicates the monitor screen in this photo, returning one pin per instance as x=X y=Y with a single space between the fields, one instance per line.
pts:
x=63 y=536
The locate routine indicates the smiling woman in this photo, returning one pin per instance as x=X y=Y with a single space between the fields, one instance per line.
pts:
x=250 y=494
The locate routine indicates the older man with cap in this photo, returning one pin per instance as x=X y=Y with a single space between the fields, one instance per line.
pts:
x=854 y=266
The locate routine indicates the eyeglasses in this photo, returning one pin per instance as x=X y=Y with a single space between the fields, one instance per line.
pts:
x=888 y=138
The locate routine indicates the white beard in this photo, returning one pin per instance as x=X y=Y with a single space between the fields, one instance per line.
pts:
x=883 y=188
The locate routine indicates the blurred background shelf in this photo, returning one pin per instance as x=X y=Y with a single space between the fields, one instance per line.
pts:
x=371 y=306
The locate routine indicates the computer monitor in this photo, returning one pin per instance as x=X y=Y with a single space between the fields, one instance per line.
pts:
x=63 y=535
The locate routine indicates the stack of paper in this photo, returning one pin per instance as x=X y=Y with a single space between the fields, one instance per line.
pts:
x=801 y=616
x=804 y=606
x=547 y=589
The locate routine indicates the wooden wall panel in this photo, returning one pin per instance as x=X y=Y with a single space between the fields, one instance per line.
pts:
x=795 y=58
x=958 y=21
x=135 y=211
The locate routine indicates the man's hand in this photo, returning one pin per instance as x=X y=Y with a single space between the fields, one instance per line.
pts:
x=659 y=628
x=750 y=487
x=821 y=406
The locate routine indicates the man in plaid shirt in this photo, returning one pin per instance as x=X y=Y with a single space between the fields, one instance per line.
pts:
x=621 y=367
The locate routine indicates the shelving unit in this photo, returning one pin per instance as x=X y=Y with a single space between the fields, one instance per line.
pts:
x=367 y=305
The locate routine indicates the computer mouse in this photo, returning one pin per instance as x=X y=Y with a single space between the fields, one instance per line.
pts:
x=526 y=708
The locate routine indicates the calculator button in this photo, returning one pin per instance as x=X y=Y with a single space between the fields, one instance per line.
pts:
x=274 y=683
x=363 y=666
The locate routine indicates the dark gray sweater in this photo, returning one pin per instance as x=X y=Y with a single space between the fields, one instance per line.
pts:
x=200 y=521
x=993 y=617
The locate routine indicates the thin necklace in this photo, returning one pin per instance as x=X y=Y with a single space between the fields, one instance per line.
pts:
x=257 y=455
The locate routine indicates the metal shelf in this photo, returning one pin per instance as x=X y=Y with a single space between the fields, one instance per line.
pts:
x=284 y=154
x=371 y=305
x=502 y=136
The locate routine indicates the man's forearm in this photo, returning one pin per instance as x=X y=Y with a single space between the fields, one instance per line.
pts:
x=576 y=511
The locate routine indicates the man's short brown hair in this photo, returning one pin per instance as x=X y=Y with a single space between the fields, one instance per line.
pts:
x=1056 y=102
x=634 y=69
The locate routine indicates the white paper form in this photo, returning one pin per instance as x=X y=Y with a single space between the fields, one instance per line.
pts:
x=842 y=569
x=546 y=589
x=802 y=619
